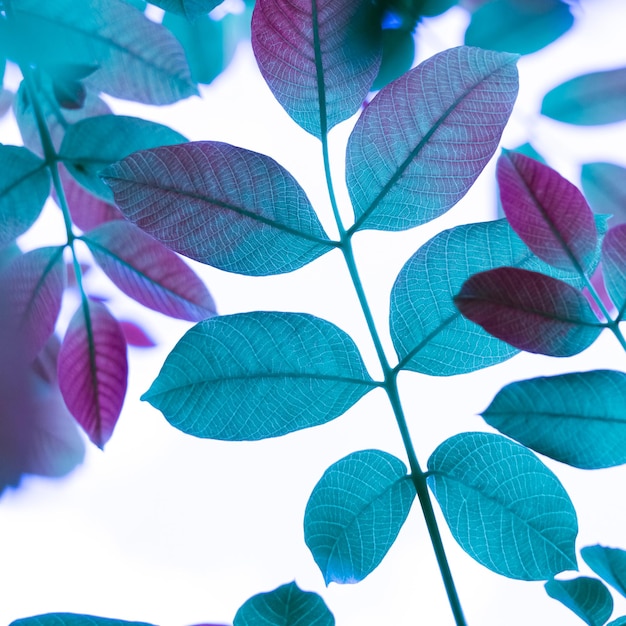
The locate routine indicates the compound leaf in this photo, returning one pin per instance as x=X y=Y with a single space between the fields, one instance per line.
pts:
x=614 y=266
x=586 y=597
x=355 y=513
x=608 y=563
x=424 y=139
x=604 y=185
x=72 y=619
x=506 y=509
x=191 y=9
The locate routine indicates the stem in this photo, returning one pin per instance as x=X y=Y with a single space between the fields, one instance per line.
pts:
x=612 y=324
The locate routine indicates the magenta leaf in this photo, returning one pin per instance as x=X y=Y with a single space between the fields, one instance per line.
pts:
x=135 y=335
x=614 y=266
x=32 y=286
x=237 y=210
x=421 y=143
x=530 y=311
x=318 y=58
x=148 y=272
x=550 y=214
x=93 y=370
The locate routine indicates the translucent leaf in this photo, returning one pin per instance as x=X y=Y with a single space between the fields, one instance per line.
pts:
x=398 y=55
x=355 y=513
x=257 y=375
x=191 y=9
x=590 y=99
x=531 y=311
x=135 y=335
x=72 y=619
x=424 y=139
x=604 y=185
x=586 y=597
x=319 y=59
x=237 y=210
x=522 y=27
x=549 y=213
x=136 y=58
x=578 y=419
x=608 y=563
x=620 y=621
x=506 y=509
x=287 y=605
x=93 y=370
x=24 y=187
x=92 y=144
x=148 y=272
x=614 y=266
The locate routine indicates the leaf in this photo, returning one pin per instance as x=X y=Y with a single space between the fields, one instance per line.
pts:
x=578 y=418
x=32 y=287
x=287 y=605
x=518 y=26
x=256 y=375
x=620 y=621
x=506 y=509
x=72 y=619
x=237 y=210
x=424 y=139
x=93 y=143
x=531 y=311
x=355 y=513
x=604 y=185
x=586 y=597
x=398 y=54
x=148 y=272
x=318 y=58
x=137 y=59
x=190 y=9
x=614 y=266
x=24 y=187
x=549 y=213
x=608 y=563
x=93 y=370
x=135 y=335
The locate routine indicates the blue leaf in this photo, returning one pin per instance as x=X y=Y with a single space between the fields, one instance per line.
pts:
x=586 y=597
x=72 y=619
x=608 y=563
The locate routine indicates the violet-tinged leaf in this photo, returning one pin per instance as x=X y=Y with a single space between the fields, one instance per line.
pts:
x=578 y=418
x=531 y=311
x=191 y=9
x=318 y=58
x=24 y=187
x=608 y=563
x=237 y=210
x=149 y=272
x=257 y=375
x=604 y=185
x=506 y=509
x=72 y=619
x=135 y=335
x=549 y=213
x=96 y=142
x=421 y=143
x=614 y=266
x=93 y=370
x=587 y=597
x=32 y=286
x=588 y=100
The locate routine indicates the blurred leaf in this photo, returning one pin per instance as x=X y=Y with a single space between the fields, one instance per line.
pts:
x=148 y=272
x=506 y=509
x=6 y=101
x=256 y=375
x=608 y=563
x=135 y=335
x=398 y=55
x=72 y=619
x=531 y=311
x=604 y=185
x=588 y=100
x=527 y=149
x=355 y=513
x=190 y=9
x=24 y=187
x=520 y=26
x=620 y=621
x=424 y=139
x=92 y=144
x=586 y=597
x=237 y=210
x=578 y=418
x=319 y=59
x=93 y=370
x=614 y=266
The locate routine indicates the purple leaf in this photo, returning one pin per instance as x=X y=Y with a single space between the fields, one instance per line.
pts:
x=148 y=272
x=318 y=58
x=32 y=286
x=93 y=370
x=614 y=265
x=531 y=311
x=135 y=335
x=597 y=282
x=549 y=214
x=421 y=143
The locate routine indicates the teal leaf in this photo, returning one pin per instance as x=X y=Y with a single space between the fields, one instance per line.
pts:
x=586 y=597
x=398 y=55
x=237 y=210
x=190 y=9
x=506 y=509
x=355 y=513
x=287 y=605
x=614 y=266
x=256 y=375
x=620 y=621
x=578 y=418
x=421 y=143
x=318 y=58
x=24 y=187
x=588 y=100
x=72 y=619
x=608 y=563
x=604 y=185
x=92 y=144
